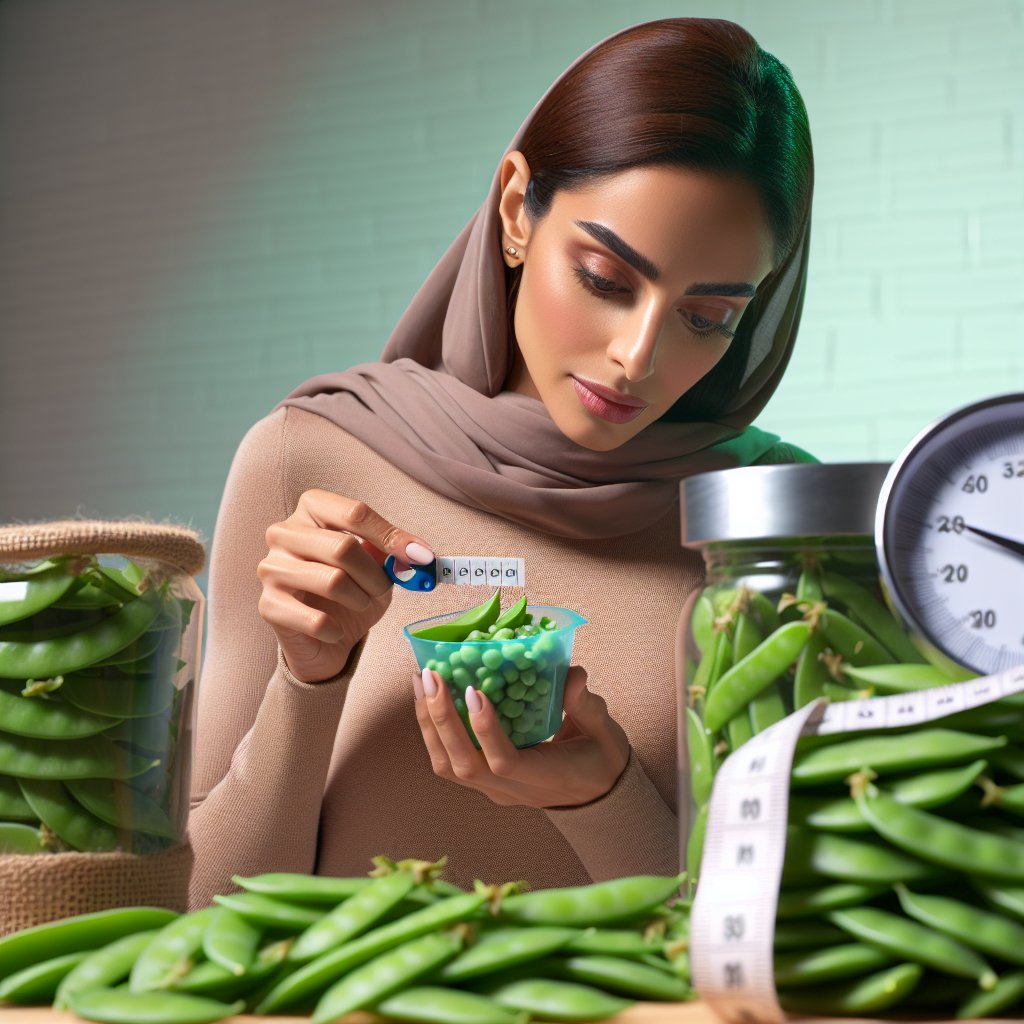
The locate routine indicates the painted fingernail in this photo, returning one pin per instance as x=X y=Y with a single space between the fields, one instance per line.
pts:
x=473 y=701
x=417 y=685
x=429 y=686
x=418 y=553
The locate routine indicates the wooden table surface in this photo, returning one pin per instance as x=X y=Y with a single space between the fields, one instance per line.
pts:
x=641 y=1013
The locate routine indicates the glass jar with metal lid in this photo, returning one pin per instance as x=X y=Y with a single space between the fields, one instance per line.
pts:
x=791 y=610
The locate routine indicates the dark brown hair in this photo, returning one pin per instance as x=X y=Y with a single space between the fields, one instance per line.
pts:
x=687 y=92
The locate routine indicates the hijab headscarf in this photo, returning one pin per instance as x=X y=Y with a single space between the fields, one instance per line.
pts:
x=434 y=405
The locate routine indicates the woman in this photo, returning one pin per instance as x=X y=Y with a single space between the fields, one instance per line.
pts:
x=611 y=320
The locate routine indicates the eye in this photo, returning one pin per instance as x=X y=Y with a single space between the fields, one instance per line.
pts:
x=597 y=285
x=702 y=325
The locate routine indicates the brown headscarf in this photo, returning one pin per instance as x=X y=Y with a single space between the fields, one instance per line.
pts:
x=434 y=406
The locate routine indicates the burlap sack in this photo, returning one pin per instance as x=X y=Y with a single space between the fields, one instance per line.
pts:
x=40 y=887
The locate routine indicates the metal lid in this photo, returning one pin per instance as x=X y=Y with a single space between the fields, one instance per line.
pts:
x=797 y=500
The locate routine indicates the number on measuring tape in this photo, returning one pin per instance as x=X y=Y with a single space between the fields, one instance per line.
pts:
x=472 y=571
x=732 y=923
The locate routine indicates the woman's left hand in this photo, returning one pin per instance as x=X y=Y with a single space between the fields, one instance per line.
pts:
x=580 y=763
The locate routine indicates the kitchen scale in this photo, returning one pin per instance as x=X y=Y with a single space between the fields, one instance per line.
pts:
x=949 y=536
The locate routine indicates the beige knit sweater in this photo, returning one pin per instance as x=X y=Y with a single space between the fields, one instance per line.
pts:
x=320 y=777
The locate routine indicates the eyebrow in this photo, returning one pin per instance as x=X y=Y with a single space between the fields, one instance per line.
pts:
x=643 y=265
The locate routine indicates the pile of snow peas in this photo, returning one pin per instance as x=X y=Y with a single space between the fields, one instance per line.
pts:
x=89 y=707
x=760 y=659
x=399 y=941
x=519 y=664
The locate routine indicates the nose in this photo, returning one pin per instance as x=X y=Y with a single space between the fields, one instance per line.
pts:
x=635 y=345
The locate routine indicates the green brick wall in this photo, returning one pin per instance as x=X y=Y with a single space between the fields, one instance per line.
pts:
x=205 y=204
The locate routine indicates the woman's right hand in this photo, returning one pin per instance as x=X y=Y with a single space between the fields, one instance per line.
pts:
x=323 y=581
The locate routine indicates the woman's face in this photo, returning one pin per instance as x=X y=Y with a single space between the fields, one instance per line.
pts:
x=631 y=291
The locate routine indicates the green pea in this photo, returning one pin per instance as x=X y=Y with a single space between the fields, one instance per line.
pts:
x=470 y=655
x=748 y=677
x=492 y=658
x=834 y=963
x=980 y=929
x=425 y=1004
x=311 y=978
x=168 y=952
x=929 y=789
x=102 y=968
x=116 y=1006
x=543 y=687
x=45 y=717
x=510 y=675
x=600 y=903
x=558 y=1000
x=17 y=837
x=909 y=940
x=510 y=708
x=80 y=932
x=1007 y=992
x=36 y=984
x=823 y=854
x=876 y=992
x=500 y=948
x=938 y=840
x=516 y=690
x=808 y=902
x=352 y=916
x=923 y=748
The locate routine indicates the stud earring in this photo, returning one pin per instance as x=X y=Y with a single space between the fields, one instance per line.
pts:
x=511 y=250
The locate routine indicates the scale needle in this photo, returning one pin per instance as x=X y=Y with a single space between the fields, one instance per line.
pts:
x=1016 y=546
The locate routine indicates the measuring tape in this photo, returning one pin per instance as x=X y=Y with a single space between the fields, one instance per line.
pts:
x=732 y=924
x=460 y=570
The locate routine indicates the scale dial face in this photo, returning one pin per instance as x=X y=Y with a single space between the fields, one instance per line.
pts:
x=949 y=535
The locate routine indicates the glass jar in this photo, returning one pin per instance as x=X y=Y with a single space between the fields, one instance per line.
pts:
x=791 y=610
x=98 y=661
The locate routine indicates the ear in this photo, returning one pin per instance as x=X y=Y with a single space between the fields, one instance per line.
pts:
x=515 y=224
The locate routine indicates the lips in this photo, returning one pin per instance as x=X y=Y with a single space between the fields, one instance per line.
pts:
x=606 y=403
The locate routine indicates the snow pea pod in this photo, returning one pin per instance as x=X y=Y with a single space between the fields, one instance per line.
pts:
x=45 y=717
x=92 y=757
x=231 y=941
x=811 y=673
x=701 y=622
x=117 y=1006
x=267 y=910
x=874 y=615
x=20 y=599
x=614 y=974
x=748 y=677
x=853 y=642
x=35 y=985
x=505 y=947
x=102 y=968
x=311 y=978
x=790 y=935
x=63 y=816
x=923 y=748
x=70 y=934
x=426 y=1004
x=902 y=678
x=385 y=974
x=118 y=698
x=980 y=929
x=824 y=854
x=909 y=940
x=13 y=806
x=208 y=978
x=929 y=789
x=938 y=840
x=168 y=952
x=876 y=992
x=1008 y=898
x=557 y=1000
x=834 y=963
x=1007 y=992
x=294 y=887
x=122 y=806
x=610 y=941
x=46 y=659
x=695 y=845
x=698 y=744
x=352 y=916
x=617 y=899
x=811 y=901
x=17 y=837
